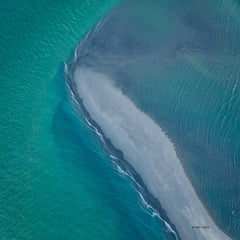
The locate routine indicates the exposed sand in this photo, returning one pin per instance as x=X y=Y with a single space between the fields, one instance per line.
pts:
x=146 y=147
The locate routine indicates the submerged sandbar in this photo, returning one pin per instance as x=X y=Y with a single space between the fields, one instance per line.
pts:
x=147 y=148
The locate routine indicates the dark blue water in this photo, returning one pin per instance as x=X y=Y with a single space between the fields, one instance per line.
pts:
x=118 y=201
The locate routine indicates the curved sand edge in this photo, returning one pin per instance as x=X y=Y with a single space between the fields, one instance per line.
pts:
x=149 y=151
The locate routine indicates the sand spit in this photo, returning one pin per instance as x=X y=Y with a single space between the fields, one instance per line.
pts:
x=147 y=148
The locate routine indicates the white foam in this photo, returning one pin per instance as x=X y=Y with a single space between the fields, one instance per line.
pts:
x=147 y=148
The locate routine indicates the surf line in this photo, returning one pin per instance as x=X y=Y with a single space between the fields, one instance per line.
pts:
x=148 y=200
x=147 y=150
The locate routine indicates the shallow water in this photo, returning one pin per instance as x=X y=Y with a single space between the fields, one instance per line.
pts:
x=149 y=151
x=179 y=63
x=56 y=180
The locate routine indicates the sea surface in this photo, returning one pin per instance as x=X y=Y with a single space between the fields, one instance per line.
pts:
x=180 y=64
x=57 y=179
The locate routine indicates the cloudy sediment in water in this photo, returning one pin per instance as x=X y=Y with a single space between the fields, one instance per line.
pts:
x=148 y=150
x=179 y=64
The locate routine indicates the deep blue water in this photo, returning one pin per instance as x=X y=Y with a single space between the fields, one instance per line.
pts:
x=85 y=156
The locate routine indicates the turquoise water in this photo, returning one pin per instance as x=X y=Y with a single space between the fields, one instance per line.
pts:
x=56 y=180
x=180 y=64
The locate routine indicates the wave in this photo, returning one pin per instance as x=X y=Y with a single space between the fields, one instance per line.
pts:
x=148 y=150
x=123 y=167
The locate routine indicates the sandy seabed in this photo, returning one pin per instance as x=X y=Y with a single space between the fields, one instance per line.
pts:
x=147 y=148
